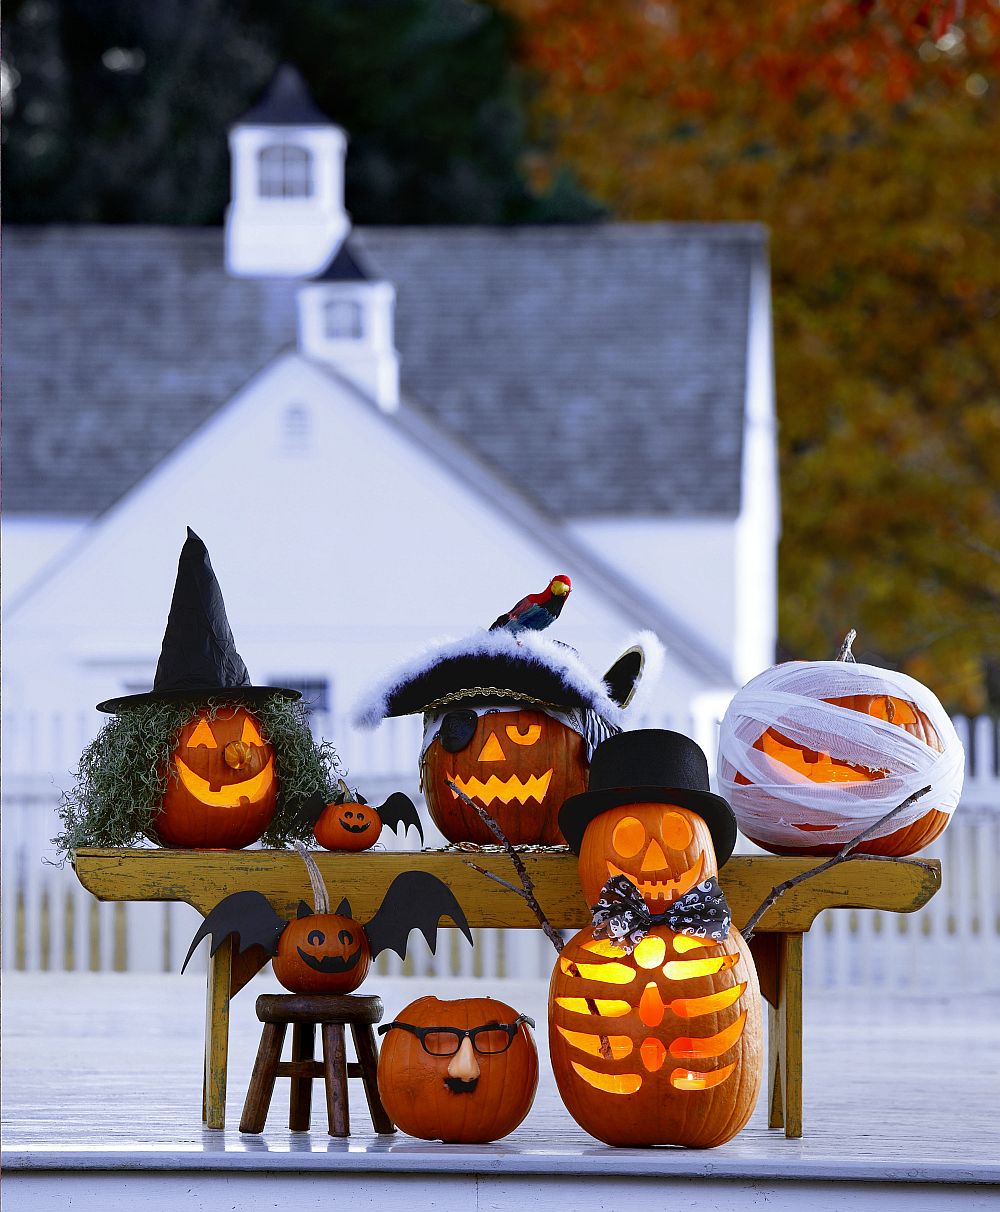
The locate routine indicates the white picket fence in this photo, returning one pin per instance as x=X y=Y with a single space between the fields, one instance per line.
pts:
x=50 y=923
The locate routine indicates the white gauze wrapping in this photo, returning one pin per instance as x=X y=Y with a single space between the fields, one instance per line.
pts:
x=789 y=698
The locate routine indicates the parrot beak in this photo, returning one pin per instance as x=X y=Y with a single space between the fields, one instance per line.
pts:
x=560 y=587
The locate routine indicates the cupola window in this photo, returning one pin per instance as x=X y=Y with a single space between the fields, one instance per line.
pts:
x=284 y=171
x=342 y=320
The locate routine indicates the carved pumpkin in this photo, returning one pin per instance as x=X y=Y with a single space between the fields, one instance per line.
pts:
x=822 y=750
x=223 y=786
x=322 y=953
x=662 y=1046
x=519 y=765
x=479 y=1093
x=348 y=826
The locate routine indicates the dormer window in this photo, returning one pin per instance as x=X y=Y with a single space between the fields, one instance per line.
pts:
x=342 y=320
x=284 y=170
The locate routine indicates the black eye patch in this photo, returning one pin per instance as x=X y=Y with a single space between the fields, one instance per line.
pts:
x=457 y=728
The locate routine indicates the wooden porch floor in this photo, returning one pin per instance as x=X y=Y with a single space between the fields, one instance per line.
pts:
x=101 y=1076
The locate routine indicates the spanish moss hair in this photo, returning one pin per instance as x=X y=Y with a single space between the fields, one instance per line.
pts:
x=123 y=773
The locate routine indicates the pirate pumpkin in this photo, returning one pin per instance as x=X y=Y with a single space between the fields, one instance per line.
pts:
x=323 y=952
x=511 y=717
x=812 y=753
x=654 y=1010
x=199 y=760
x=464 y=1072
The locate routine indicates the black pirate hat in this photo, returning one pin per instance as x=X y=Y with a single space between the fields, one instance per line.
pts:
x=649 y=765
x=494 y=667
x=198 y=659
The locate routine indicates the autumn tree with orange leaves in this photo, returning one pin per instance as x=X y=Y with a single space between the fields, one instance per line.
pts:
x=866 y=136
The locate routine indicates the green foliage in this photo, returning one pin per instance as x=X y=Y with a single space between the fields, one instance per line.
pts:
x=121 y=110
x=123 y=773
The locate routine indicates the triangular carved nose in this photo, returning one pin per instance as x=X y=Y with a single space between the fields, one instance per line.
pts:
x=654 y=859
x=491 y=751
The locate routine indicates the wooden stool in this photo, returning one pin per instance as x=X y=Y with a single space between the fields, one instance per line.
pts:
x=304 y=1012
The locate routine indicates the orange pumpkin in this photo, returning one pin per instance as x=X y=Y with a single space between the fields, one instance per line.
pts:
x=663 y=1045
x=479 y=1092
x=348 y=826
x=322 y=953
x=222 y=787
x=519 y=765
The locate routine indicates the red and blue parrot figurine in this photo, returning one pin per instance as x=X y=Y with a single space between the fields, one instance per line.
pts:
x=537 y=610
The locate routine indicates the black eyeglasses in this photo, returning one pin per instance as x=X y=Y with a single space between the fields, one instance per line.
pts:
x=488 y=1040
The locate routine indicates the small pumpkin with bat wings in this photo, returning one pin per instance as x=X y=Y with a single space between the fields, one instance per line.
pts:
x=323 y=952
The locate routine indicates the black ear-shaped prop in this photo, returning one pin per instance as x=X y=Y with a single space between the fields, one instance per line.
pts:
x=622 y=679
x=398 y=810
x=249 y=916
x=307 y=812
x=415 y=900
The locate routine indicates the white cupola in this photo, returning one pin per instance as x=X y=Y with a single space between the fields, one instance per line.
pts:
x=346 y=321
x=287 y=216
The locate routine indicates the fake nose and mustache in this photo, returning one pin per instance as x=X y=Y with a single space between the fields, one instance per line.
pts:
x=463 y=1070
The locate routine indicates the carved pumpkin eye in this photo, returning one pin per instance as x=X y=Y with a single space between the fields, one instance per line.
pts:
x=528 y=737
x=676 y=831
x=346 y=937
x=250 y=734
x=316 y=938
x=202 y=737
x=629 y=836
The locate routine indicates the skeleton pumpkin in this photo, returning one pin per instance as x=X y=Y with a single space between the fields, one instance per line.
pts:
x=813 y=753
x=655 y=1037
x=464 y=1072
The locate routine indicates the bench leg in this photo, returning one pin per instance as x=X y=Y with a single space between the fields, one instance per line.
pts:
x=213 y=1099
x=785 y=1038
x=300 y=1101
x=265 y=1071
x=364 y=1046
x=335 y=1073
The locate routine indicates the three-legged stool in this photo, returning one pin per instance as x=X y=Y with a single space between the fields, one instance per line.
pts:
x=331 y=1014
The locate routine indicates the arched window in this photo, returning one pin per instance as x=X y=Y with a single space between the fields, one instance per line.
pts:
x=342 y=320
x=284 y=171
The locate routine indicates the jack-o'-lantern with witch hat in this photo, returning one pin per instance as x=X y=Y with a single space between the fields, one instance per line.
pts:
x=654 y=1009
x=511 y=717
x=204 y=759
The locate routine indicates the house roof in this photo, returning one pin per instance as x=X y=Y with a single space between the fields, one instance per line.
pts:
x=598 y=370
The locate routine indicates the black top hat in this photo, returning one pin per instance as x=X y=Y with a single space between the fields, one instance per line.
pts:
x=198 y=659
x=650 y=765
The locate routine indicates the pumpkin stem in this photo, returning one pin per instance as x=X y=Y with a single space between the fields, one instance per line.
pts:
x=321 y=898
x=845 y=653
x=345 y=791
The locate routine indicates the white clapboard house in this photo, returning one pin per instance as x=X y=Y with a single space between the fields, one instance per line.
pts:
x=384 y=436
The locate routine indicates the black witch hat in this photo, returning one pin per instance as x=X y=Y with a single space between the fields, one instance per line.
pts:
x=198 y=659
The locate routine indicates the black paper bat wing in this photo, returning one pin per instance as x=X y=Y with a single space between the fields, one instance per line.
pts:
x=249 y=916
x=398 y=810
x=415 y=900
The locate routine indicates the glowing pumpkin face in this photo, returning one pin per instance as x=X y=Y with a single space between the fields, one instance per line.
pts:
x=465 y=1089
x=664 y=850
x=348 y=826
x=519 y=765
x=322 y=953
x=222 y=788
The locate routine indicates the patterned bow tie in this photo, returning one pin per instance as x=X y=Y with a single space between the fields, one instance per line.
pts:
x=622 y=916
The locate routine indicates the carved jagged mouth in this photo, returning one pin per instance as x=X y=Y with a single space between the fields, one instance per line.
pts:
x=355 y=828
x=504 y=790
x=232 y=794
x=461 y=1085
x=664 y=890
x=329 y=963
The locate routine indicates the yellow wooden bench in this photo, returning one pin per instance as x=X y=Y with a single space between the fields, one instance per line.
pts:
x=202 y=878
